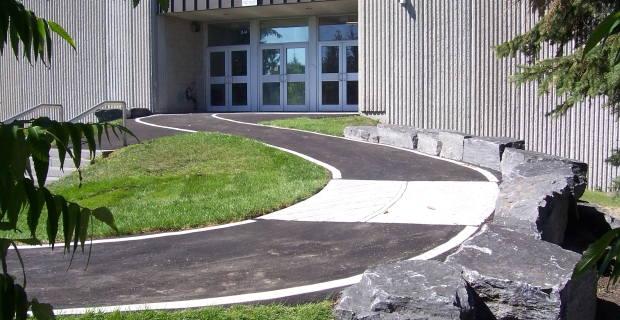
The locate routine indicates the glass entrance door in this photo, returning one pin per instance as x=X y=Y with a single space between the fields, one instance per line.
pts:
x=338 y=76
x=228 y=79
x=284 y=78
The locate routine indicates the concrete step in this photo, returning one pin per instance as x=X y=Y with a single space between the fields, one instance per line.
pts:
x=55 y=162
x=54 y=172
x=85 y=153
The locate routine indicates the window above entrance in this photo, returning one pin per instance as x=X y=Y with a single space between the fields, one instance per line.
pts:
x=229 y=34
x=284 y=31
x=338 y=28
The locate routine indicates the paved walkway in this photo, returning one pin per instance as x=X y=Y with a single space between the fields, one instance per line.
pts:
x=384 y=204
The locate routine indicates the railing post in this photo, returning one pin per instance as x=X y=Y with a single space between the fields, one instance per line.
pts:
x=35 y=108
x=105 y=103
x=124 y=123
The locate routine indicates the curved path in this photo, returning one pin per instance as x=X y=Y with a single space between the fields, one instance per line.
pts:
x=384 y=204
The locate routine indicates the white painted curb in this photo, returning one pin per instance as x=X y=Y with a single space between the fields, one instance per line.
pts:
x=267 y=295
x=153 y=236
x=484 y=172
x=335 y=172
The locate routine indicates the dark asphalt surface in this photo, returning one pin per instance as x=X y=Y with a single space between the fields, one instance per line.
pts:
x=355 y=160
x=261 y=256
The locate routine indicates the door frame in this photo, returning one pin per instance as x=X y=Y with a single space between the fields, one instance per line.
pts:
x=284 y=78
x=342 y=77
x=228 y=80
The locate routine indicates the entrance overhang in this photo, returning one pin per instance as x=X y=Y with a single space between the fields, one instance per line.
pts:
x=269 y=11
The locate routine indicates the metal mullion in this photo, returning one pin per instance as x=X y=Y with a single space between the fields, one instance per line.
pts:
x=239 y=79
x=269 y=78
x=345 y=45
x=329 y=76
x=293 y=77
x=343 y=72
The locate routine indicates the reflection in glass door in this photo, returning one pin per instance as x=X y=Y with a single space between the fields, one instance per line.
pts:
x=338 y=76
x=228 y=79
x=284 y=79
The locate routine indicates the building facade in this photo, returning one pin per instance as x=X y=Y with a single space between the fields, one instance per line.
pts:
x=259 y=56
x=425 y=64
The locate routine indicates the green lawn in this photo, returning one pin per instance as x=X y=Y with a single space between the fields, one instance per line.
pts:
x=329 y=125
x=310 y=311
x=188 y=181
x=601 y=198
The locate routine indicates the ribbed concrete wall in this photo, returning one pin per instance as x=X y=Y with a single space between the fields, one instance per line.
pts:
x=193 y=5
x=112 y=62
x=429 y=64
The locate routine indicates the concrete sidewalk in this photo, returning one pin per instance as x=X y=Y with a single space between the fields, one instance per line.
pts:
x=412 y=202
x=390 y=205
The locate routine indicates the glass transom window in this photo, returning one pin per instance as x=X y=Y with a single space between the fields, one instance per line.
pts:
x=283 y=31
x=229 y=34
x=338 y=28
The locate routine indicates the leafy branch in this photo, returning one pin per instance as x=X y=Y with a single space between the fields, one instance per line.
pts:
x=30 y=36
x=21 y=141
x=566 y=26
x=21 y=26
x=609 y=246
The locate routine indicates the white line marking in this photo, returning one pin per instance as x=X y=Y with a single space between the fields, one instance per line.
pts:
x=335 y=172
x=267 y=295
x=217 y=116
x=243 y=298
x=319 y=113
x=153 y=236
x=484 y=172
x=139 y=120
x=452 y=243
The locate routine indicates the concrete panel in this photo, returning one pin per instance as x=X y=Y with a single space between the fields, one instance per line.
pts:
x=433 y=203
x=112 y=60
x=431 y=65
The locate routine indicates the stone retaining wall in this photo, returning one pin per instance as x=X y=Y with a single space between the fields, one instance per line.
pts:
x=505 y=270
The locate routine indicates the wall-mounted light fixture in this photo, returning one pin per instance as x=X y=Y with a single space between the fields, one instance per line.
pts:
x=195 y=27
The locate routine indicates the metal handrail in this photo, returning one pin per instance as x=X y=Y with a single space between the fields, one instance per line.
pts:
x=35 y=108
x=99 y=106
